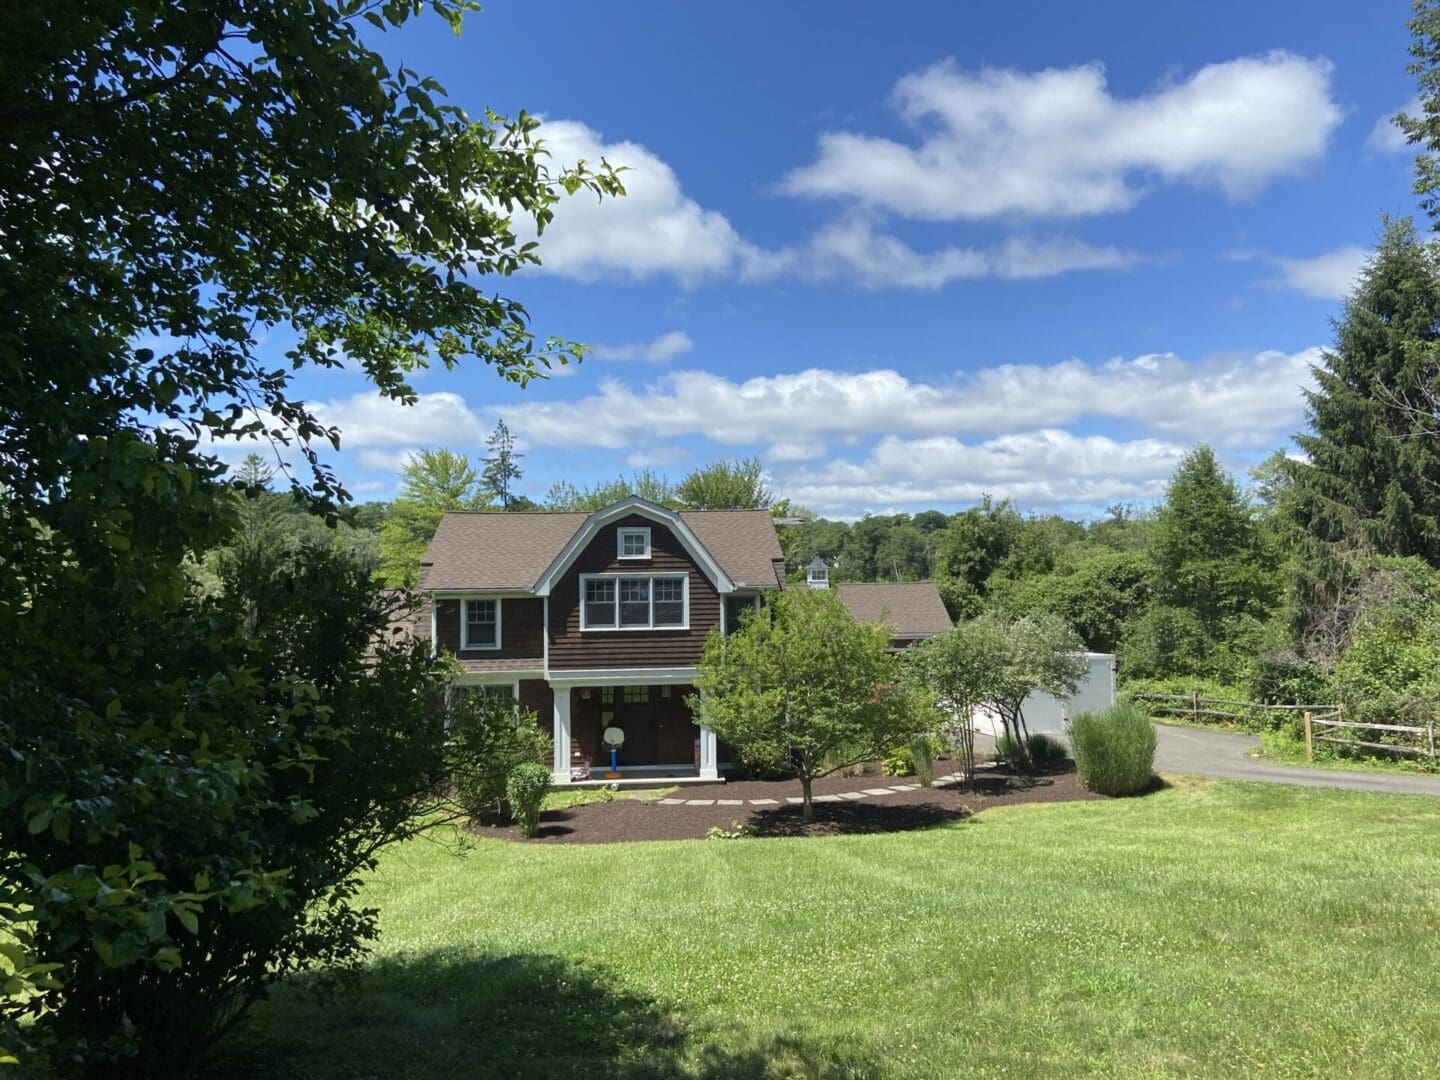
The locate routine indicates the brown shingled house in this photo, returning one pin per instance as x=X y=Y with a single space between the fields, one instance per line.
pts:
x=596 y=621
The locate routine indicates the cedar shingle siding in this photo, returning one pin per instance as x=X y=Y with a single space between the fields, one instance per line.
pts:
x=522 y=630
x=570 y=649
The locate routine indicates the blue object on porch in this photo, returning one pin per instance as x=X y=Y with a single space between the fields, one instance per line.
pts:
x=613 y=738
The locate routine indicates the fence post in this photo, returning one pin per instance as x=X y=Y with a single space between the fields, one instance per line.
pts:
x=1430 y=732
x=1195 y=705
x=1309 y=739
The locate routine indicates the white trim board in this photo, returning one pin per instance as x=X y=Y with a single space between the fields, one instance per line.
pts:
x=625 y=507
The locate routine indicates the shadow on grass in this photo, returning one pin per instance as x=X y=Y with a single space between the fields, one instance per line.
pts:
x=451 y=1014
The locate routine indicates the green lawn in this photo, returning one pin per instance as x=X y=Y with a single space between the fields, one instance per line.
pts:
x=1225 y=929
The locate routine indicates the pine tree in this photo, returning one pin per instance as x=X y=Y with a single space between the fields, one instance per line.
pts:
x=1206 y=546
x=502 y=466
x=1372 y=480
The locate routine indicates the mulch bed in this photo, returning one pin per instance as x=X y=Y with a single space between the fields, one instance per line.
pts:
x=631 y=819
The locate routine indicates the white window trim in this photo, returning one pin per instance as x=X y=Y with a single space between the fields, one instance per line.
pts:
x=684 y=624
x=631 y=530
x=465 y=624
x=817 y=575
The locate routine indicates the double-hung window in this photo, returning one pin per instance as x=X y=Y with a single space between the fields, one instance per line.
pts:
x=481 y=623
x=599 y=613
x=634 y=602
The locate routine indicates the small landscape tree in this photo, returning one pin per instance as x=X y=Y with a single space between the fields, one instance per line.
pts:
x=806 y=688
x=1035 y=653
x=961 y=669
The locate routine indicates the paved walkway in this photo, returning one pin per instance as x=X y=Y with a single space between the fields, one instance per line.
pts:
x=1201 y=752
x=844 y=796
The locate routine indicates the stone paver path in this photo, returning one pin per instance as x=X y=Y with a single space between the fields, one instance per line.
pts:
x=796 y=800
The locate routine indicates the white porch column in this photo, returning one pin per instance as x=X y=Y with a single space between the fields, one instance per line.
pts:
x=560 y=769
x=709 y=755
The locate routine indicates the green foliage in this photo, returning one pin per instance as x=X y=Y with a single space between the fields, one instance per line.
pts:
x=193 y=782
x=1371 y=481
x=316 y=751
x=916 y=758
x=432 y=482
x=1114 y=749
x=502 y=466
x=1390 y=673
x=525 y=789
x=650 y=485
x=493 y=739
x=1207 y=550
x=738 y=831
x=1045 y=750
x=1098 y=593
x=726 y=485
x=793 y=689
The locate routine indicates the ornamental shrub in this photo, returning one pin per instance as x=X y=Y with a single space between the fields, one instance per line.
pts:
x=495 y=739
x=1045 y=750
x=1114 y=749
x=526 y=788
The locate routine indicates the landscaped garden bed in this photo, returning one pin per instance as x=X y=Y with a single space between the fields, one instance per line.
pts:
x=764 y=806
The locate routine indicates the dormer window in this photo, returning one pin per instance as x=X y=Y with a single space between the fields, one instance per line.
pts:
x=817 y=575
x=634 y=543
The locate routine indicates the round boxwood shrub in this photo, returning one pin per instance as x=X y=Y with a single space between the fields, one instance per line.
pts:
x=525 y=789
x=1114 y=750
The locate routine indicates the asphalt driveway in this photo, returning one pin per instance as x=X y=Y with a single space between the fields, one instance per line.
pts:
x=1201 y=752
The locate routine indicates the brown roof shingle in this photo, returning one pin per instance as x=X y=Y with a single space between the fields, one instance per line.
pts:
x=906 y=607
x=509 y=551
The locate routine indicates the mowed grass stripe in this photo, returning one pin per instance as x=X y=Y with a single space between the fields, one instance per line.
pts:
x=1222 y=929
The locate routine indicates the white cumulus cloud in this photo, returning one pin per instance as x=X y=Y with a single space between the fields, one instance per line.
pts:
x=656 y=230
x=368 y=420
x=1330 y=276
x=853 y=251
x=1043 y=468
x=659 y=350
x=1385 y=137
x=1240 y=400
x=1002 y=142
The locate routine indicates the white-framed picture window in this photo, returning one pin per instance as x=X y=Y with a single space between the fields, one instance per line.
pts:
x=479 y=624
x=634 y=543
x=634 y=602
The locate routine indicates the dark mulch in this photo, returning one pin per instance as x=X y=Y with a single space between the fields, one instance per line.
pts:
x=901 y=811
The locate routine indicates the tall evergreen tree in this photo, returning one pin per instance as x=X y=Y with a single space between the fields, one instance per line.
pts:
x=1206 y=547
x=1373 y=475
x=502 y=465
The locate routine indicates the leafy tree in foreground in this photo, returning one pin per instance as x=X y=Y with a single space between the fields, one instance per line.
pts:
x=804 y=687
x=502 y=465
x=432 y=482
x=184 y=802
x=726 y=485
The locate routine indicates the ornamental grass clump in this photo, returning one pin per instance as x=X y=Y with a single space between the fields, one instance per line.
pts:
x=525 y=789
x=1114 y=750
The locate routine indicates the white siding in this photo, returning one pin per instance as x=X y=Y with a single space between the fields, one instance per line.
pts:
x=1044 y=713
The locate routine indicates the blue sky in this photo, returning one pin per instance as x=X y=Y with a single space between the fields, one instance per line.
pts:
x=911 y=253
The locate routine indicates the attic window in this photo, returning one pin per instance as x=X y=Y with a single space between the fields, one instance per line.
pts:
x=818 y=575
x=634 y=543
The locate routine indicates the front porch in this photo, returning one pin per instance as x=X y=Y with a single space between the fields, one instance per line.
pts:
x=662 y=743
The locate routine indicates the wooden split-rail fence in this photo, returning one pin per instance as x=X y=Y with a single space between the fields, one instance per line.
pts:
x=1323 y=723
